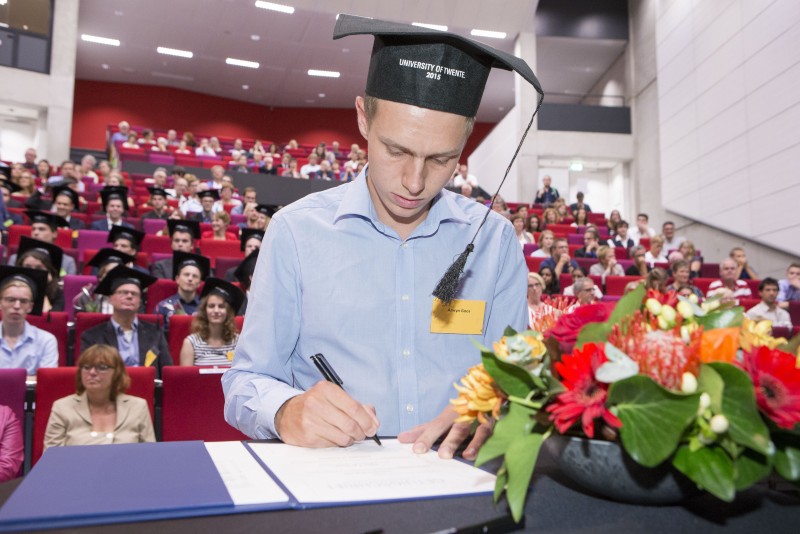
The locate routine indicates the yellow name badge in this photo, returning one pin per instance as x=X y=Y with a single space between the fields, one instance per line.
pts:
x=458 y=317
x=230 y=355
x=149 y=358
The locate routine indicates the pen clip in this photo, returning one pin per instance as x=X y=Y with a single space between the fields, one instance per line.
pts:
x=326 y=370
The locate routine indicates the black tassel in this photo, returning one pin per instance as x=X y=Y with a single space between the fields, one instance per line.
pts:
x=447 y=287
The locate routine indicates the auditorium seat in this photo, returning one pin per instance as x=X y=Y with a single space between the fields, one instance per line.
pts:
x=153 y=226
x=709 y=270
x=91 y=239
x=575 y=239
x=158 y=291
x=529 y=248
x=615 y=285
x=180 y=327
x=703 y=283
x=142 y=260
x=218 y=247
x=55 y=383
x=782 y=331
x=621 y=253
x=56 y=324
x=156 y=243
x=533 y=263
x=73 y=284
x=193 y=406
x=794 y=312
x=224 y=263
x=586 y=263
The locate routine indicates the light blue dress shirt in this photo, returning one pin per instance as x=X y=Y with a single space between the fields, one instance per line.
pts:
x=35 y=348
x=331 y=278
x=128 y=345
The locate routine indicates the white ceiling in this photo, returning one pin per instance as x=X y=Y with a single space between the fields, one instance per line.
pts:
x=289 y=45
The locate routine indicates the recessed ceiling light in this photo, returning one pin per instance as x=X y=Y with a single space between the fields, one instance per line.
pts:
x=430 y=26
x=255 y=37
x=321 y=95
x=171 y=76
x=242 y=63
x=309 y=100
x=501 y=108
x=324 y=73
x=275 y=7
x=99 y=40
x=118 y=13
x=174 y=52
x=576 y=166
x=245 y=87
x=105 y=66
x=488 y=33
x=346 y=50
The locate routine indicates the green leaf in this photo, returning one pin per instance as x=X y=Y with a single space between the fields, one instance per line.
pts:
x=787 y=455
x=508 y=332
x=792 y=345
x=725 y=318
x=709 y=381
x=512 y=379
x=739 y=406
x=518 y=422
x=710 y=468
x=653 y=418
x=593 y=333
x=598 y=332
x=500 y=483
x=750 y=467
x=520 y=459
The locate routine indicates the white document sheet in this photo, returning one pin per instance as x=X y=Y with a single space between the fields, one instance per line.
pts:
x=366 y=472
x=245 y=480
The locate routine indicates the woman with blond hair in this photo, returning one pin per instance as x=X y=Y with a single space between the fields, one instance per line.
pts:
x=656 y=252
x=546 y=240
x=214 y=336
x=220 y=221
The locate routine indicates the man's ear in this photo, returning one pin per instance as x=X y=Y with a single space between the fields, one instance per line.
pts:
x=363 y=127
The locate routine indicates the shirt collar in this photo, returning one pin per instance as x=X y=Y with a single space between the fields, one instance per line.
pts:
x=118 y=328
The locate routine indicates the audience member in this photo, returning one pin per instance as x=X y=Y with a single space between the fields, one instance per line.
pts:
x=131 y=143
x=547 y=194
x=550 y=216
x=682 y=278
x=591 y=245
x=213 y=142
x=44 y=227
x=671 y=241
x=657 y=279
x=158 y=201
x=189 y=271
x=214 y=336
x=642 y=229
x=607 y=266
x=209 y=206
x=226 y=198
x=12 y=448
x=99 y=412
x=172 y=138
x=613 y=219
x=114 y=201
x=244 y=275
x=189 y=201
x=536 y=308
x=24 y=346
x=220 y=222
x=569 y=291
x=238 y=148
x=728 y=286
x=240 y=164
x=690 y=255
x=10 y=188
x=217 y=172
x=533 y=223
x=310 y=169
x=120 y=136
x=560 y=262
x=640 y=266
x=467 y=191
x=620 y=236
x=581 y=218
x=292 y=171
x=552 y=285
x=546 y=240
x=43 y=170
x=523 y=237
x=182 y=235
x=104 y=261
x=204 y=149
x=789 y=287
x=464 y=177
x=583 y=288
x=27 y=186
x=248 y=197
x=579 y=205
x=41 y=256
x=768 y=308
x=743 y=269
x=65 y=202
x=656 y=252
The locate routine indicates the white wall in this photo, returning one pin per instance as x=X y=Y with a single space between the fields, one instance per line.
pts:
x=729 y=109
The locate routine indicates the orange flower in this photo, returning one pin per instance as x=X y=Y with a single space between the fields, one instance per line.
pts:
x=477 y=396
x=719 y=345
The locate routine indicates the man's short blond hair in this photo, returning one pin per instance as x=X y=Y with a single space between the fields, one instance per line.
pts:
x=371 y=107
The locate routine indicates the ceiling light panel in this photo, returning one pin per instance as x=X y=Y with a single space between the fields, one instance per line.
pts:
x=324 y=73
x=242 y=63
x=430 y=26
x=99 y=40
x=174 y=52
x=275 y=7
x=488 y=33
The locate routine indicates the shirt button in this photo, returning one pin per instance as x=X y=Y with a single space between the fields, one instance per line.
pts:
x=404 y=297
x=404 y=245
x=410 y=408
x=406 y=353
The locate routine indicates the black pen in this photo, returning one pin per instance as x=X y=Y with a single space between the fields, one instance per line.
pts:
x=330 y=375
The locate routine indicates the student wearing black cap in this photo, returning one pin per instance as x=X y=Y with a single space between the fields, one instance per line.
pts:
x=214 y=337
x=182 y=235
x=243 y=274
x=104 y=261
x=129 y=241
x=138 y=342
x=65 y=201
x=158 y=201
x=7 y=218
x=23 y=345
x=349 y=272
x=44 y=227
x=207 y=201
x=41 y=256
x=189 y=271
x=250 y=240
x=115 y=201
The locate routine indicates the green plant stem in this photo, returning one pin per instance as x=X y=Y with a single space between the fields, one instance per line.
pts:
x=526 y=402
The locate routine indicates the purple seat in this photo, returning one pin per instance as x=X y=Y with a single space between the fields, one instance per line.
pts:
x=237 y=218
x=586 y=263
x=575 y=239
x=625 y=264
x=161 y=158
x=224 y=263
x=72 y=286
x=91 y=240
x=529 y=248
x=158 y=256
x=153 y=226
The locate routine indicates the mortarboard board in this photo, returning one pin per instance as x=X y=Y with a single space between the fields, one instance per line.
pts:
x=28 y=243
x=109 y=255
x=33 y=278
x=50 y=219
x=114 y=192
x=120 y=276
x=157 y=191
x=180 y=225
x=213 y=193
x=182 y=259
x=267 y=209
x=435 y=70
x=122 y=232
x=246 y=268
x=66 y=191
x=249 y=233
x=229 y=292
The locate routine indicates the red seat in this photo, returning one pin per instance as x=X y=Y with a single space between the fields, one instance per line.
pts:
x=534 y=263
x=86 y=320
x=620 y=253
x=562 y=229
x=73 y=284
x=185 y=160
x=224 y=264
x=15 y=231
x=219 y=247
x=193 y=407
x=702 y=284
x=55 y=383
x=615 y=285
x=794 y=313
x=56 y=324
x=93 y=208
x=645 y=242
x=157 y=243
x=753 y=284
x=158 y=291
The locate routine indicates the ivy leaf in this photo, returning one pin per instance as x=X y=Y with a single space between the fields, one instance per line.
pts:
x=787 y=455
x=750 y=467
x=710 y=468
x=516 y=423
x=500 y=483
x=653 y=418
x=726 y=318
x=512 y=379
x=739 y=406
x=709 y=381
x=520 y=459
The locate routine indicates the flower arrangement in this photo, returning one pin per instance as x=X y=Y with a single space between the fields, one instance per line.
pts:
x=700 y=387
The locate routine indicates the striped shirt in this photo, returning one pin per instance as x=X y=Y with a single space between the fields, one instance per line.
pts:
x=204 y=354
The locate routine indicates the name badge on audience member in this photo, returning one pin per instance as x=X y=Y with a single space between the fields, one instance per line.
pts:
x=458 y=317
x=149 y=358
x=230 y=355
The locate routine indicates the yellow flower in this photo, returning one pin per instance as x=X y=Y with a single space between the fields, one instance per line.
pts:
x=477 y=396
x=525 y=349
x=757 y=334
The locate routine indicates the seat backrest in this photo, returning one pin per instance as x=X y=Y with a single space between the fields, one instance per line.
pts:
x=156 y=243
x=533 y=263
x=72 y=286
x=702 y=284
x=615 y=285
x=193 y=406
x=12 y=391
x=224 y=264
x=158 y=291
x=84 y=321
x=214 y=248
x=179 y=328
x=91 y=239
x=56 y=324
x=58 y=382
x=15 y=231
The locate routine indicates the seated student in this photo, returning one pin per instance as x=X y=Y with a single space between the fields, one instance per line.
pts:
x=250 y=240
x=584 y=291
x=138 y=342
x=158 y=201
x=10 y=188
x=104 y=261
x=657 y=280
x=41 y=256
x=519 y=229
x=220 y=222
x=214 y=337
x=640 y=266
x=621 y=238
x=546 y=240
x=189 y=271
x=12 y=449
x=23 y=346
x=99 y=412
x=114 y=201
x=689 y=253
x=560 y=262
x=656 y=254
x=264 y=213
x=248 y=197
x=768 y=308
x=244 y=275
x=681 y=276
x=65 y=201
x=578 y=273
x=552 y=286
x=128 y=241
x=208 y=201
x=182 y=235
x=226 y=197
x=44 y=227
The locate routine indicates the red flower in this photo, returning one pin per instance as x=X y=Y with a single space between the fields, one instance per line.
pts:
x=670 y=297
x=777 y=383
x=566 y=329
x=585 y=397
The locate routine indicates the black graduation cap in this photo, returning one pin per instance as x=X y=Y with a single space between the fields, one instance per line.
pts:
x=50 y=219
x=123 y=275
x=28 y=243
x=267 y=209
x=122 y=232
x=180 y=225
x=213 y=193
x=114 y=192
x=33 y=278
x=229 y=292
x=249 y=233
x=67 y=191
x=109 y=255
x=10 y=186
x=182 y=259
x=434 y=70
x=156 y=191
x=65 y=181
x=246 y=269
